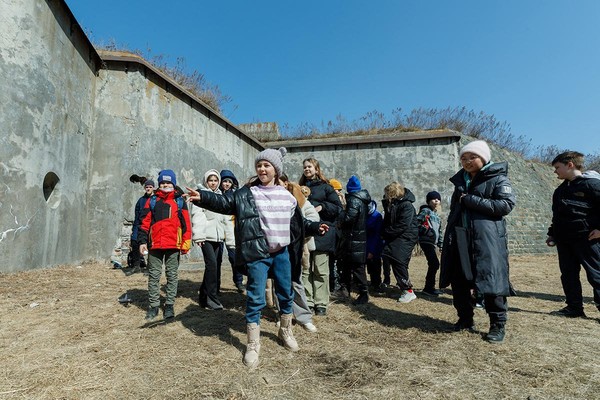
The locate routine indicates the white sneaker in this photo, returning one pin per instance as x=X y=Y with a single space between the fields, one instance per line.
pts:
x=407 y=296
x=309 y=327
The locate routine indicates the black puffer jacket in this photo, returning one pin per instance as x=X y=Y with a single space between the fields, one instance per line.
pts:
x=322 y=194
x=250 y=240
x=353 y=223
x=576 y=208
x=481 y=211
x=400 y=228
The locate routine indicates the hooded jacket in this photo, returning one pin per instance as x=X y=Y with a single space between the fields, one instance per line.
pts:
x=353 y=224
x=211 y=226
x=374 y=226
x=488 y=198
x=430 y=226
x=166 y=227
x=576 y=208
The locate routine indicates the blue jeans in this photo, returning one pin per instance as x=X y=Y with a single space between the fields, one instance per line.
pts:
x=258 y=272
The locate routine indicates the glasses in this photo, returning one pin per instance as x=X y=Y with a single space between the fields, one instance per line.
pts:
x=470 y=159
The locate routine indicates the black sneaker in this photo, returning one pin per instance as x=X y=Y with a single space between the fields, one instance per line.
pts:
x=431 y=292
x=152 y=313
x=363 y=298
x=496 y=333
x=569 y=312
x=320 y=311
x=463 y=325
x=168 y=312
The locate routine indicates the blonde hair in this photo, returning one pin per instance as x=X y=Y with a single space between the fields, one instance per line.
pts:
x=394 y=190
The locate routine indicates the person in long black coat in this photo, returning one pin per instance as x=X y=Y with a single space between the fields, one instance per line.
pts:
x=475 y=256
x=353 y=246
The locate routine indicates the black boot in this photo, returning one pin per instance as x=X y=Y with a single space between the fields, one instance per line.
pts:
x=152 y=313
x=464 y=325
x=496 y=333
x=168 y=312
x=363 y=298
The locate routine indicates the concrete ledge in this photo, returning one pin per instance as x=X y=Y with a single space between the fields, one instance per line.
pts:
x=366 y=139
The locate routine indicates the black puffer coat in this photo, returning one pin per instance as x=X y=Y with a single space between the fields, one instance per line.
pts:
x=576 y=208
x=322 y=194
x=481 y=211
x=250 y=240
x=353 y=223
x=400 y=227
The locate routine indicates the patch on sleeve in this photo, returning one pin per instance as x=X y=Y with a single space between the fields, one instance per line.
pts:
x=506 y=189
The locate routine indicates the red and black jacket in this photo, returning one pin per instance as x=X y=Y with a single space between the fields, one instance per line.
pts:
x=165 y=226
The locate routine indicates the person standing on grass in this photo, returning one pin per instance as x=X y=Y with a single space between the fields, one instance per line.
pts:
x=229 y=184
x=138 y=261
x=430 y=239
x=400 y=235
x=263 y=210
x=353 y=246
x=575 y=229
x=327 y=203
x=475 y=256
x=374 y=247
x=165 y=233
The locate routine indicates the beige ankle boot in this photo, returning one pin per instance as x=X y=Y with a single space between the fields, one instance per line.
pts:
x=253 y=347
x=285 y=333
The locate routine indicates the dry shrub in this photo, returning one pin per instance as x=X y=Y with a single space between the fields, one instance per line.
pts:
x=64 y=335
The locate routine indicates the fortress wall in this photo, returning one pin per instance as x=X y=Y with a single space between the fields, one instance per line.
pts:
x=424 y=162
x=47 y=91
x=91 y=122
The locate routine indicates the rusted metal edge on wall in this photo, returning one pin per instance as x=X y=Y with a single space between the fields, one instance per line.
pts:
x=366 y=139
x=128 y=58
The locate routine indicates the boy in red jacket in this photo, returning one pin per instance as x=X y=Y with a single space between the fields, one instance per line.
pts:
x=166 y=231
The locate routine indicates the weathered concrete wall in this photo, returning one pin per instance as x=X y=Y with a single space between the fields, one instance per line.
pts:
x=424 y=162
x=92 y=123
x=47 y=92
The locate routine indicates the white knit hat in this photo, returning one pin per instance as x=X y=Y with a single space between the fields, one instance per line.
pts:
x=478 y=147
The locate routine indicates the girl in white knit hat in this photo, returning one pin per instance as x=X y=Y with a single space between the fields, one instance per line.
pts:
x=475 y=256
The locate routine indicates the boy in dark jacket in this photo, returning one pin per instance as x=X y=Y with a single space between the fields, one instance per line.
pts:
x=475 y=256
x=137 y=260
x=165 y=232
x=374 y=247
x=353 y=223
x=575 y=229
x=430 y=239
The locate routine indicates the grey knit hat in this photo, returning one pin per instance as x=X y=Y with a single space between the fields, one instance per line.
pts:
x=275 y=157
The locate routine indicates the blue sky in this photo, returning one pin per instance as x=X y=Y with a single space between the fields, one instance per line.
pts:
x=533 y=64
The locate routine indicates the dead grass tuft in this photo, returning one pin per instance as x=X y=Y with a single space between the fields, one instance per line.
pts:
x=65 y=336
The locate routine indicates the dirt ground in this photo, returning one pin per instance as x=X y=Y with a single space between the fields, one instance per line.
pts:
x=64 y=335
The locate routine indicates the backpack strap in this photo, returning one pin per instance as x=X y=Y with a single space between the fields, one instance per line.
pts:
x=179 y=200
x=152 y=202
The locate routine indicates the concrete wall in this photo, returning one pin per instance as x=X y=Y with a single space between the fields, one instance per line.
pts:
x=424 y=161
x=47 y=92
x=92 y=122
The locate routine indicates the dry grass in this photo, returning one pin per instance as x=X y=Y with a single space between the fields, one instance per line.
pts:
x=64 y=335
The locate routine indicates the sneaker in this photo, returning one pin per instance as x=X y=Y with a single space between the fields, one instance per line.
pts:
x=168 y=312
x=464 y=325
x=569 y=312
x=363 y=298
x=431 y=292
x=309 y=327
x=341 y=294
x=379 y=289
x=240 y=287
x=496 y=333
x=152 y=313
x=320 y=311
x=407 y=296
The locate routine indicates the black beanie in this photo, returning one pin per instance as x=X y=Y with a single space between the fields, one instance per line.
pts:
x=433 y=195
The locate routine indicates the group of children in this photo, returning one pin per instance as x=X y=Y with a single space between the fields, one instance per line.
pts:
x=271 y=221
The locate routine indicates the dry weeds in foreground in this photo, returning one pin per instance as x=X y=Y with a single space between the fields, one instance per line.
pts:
x=64 y=335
